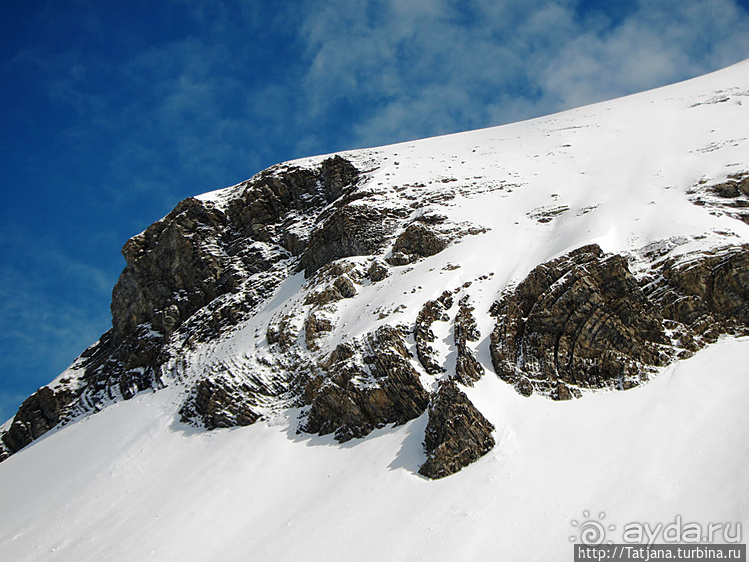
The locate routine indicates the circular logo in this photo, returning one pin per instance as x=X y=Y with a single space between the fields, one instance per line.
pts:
x=591 y=532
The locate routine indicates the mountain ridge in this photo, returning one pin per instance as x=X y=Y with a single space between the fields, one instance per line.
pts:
x=400 y=297
x=206 y=267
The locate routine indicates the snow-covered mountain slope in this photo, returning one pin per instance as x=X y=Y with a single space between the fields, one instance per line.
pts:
x=137 y=486
x=283 y=350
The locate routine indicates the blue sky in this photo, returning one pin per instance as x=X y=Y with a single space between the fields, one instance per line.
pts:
x=112 y=112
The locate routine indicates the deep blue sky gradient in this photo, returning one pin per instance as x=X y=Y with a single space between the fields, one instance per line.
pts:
x=112 y=112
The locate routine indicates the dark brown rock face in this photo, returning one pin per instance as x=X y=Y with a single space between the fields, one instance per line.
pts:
x=378 y=270
x=456 y=434
x=339 y=176
x=583 y=321
x=355 y=229
x=218 y=403
x=172 y=270
x=467 y=368
x=708 y=292
x=415 y=242
x=121 y=369
x=577 y=321
x=39 y=413
x=316 y=324
x=359 y=395
x=198 y=252
x=720 y=280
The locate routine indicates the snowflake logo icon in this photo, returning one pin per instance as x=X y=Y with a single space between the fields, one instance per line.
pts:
x=591 y=531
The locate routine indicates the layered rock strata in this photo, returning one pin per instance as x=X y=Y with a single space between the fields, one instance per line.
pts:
x=456 y=435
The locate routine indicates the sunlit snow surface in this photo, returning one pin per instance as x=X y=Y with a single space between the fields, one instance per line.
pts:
x=131 y=483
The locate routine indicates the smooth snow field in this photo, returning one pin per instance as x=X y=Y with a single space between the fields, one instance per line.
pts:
x=132 y=483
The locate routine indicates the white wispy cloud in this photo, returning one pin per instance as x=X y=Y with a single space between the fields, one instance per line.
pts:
x=662 y=42
x=419 y=68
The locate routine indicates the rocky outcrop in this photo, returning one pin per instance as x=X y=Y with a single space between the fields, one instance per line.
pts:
x=184 y=271
x=456 y=435
x=173 y=268
x=330 y=284
x=547 y=214
x=283 y=333
x=216 y=403
x=415 y=242
x=345 y=286
x=108 y=370
x=120 y=369
x=432 y=311
x=579 y=321
x=334 y=282
x=355 y=229
x=378 y=270
x=39 y=413
x=719 y=279
x=706 y=293
x=583 y=321
x=339 y=177
x=197 y=272
x=317 y=323
x=199 y=252
x=729 y=197
x=210 y=263
x=468 y=370
x=366 y=385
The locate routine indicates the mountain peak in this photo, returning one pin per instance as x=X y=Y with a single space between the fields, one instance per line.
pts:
x=402 y=294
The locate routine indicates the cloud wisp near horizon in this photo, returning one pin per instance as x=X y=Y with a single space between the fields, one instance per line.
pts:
x=114 y=113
